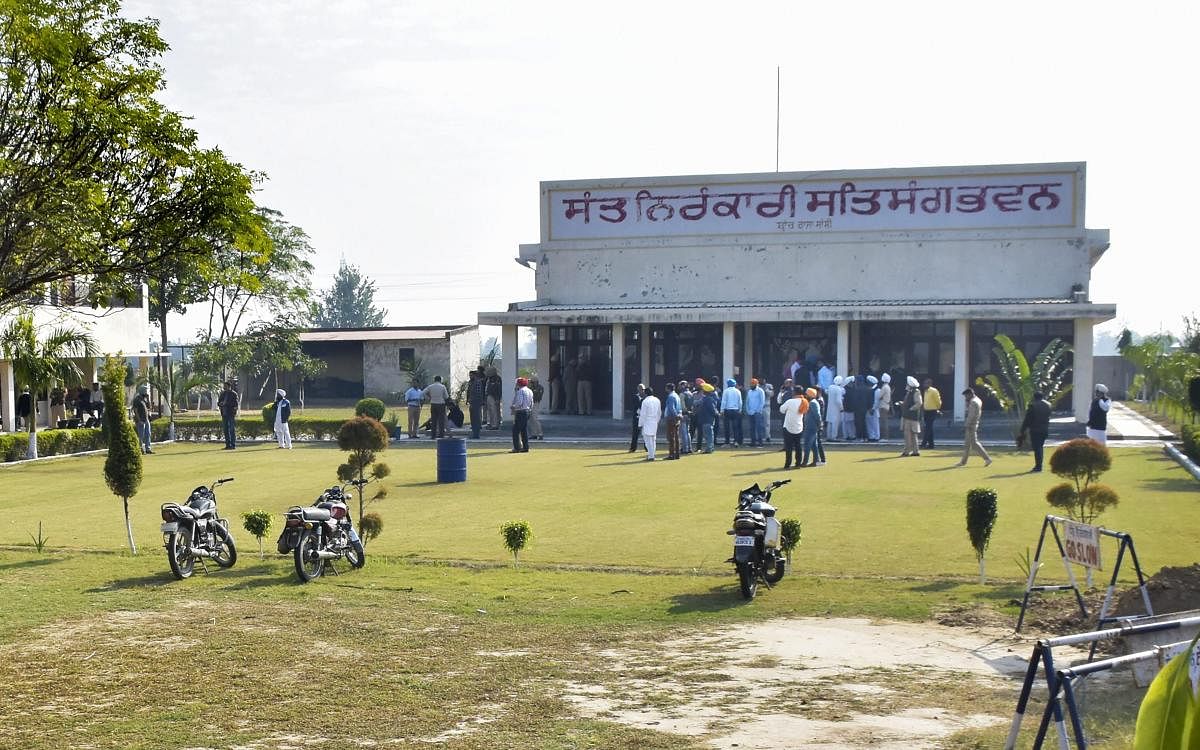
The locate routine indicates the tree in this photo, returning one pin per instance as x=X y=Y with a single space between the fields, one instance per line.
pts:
x=170 y=384
x=1014 y=387
x=123 y=466
x=38 y=363
x=790 y=531
x=265 y=275
x=516 y=535
x=350 y=302
x=363 y=437
x=222 y=213
x=981 y=519
x=257 y=523
x=1191 y=334
x=91 y=163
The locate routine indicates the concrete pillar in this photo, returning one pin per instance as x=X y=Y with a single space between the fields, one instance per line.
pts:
x=8 y=393
x=748 y=354
x=1083 y=374
x=508 y=365
x=542 y=336
x=962 y=364
x=843 y=347
x=618 y=370
x=726 y=352
x=645 y=351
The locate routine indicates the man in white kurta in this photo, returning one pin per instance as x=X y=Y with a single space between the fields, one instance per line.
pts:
x=649 y=415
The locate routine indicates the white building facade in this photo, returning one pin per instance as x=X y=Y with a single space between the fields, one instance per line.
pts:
x=906 y=271
x=121 y=329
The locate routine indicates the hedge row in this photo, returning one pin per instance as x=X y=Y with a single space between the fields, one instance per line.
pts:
x=187 y=428
x=1191 y=441
x=14 y=446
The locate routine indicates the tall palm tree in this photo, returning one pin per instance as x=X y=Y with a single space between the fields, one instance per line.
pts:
x=39 y=363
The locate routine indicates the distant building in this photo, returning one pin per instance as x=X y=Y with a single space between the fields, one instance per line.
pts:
x=122 y=327
x=376 y=362
x=900 y=270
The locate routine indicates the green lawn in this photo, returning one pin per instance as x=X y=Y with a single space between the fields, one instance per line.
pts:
x=101 y=649
x=866 y=513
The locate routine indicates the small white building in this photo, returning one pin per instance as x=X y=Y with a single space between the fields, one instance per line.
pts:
x=121 y=328
x=907 y=271
x=376 y=361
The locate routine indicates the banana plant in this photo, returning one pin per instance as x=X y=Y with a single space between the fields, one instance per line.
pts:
x=1013 y=387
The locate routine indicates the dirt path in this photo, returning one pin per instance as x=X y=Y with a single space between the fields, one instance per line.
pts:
x=814 y=683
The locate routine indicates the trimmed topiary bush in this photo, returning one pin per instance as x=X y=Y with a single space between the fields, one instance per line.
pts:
x=981 y=519
x=370 y=407
x=363 y=437
x=123 y=466
x=1082 y=461
x=370 y=526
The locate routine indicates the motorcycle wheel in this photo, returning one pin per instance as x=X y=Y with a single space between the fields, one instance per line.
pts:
x=182 y=564
x=747 y=580
x=356 y=555
x=308 y=569
x=774 y=573
x=227 y=552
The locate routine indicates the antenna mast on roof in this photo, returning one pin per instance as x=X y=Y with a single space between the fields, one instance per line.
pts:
x=777 y=79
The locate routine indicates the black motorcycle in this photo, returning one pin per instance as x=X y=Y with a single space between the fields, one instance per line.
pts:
x=321 y=533
x=757 y=541
x=193 y=531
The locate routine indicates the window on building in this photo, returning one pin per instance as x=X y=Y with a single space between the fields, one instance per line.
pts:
x=406 y=358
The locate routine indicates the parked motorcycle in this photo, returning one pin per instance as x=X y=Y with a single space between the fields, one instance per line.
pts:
x=321 y=533
x=193 y=531
x=757 y=539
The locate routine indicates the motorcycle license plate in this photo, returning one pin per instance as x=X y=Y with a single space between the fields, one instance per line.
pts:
x=743 y=541
x=170 y=528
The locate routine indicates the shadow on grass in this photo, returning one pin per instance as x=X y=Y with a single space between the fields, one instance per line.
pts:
x=716 y=599
x=137 y=582
x=35 y=563
x=1172 y=484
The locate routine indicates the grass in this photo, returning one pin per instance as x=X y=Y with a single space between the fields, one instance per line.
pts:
x=102 y=649
x=866 y=514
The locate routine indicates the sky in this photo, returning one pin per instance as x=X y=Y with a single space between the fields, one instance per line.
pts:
x=409 y=138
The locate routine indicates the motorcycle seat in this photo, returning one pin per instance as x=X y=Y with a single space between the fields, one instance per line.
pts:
x=315 y=514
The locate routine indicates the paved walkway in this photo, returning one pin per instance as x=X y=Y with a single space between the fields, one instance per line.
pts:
x=1125 y=427
x=1126 y=424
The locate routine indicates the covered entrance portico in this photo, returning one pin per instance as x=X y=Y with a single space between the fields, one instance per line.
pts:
x=949 y=342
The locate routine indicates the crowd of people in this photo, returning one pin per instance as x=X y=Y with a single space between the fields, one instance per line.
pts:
x=72 y=407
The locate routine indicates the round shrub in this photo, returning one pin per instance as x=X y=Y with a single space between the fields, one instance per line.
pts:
x=370 y=526
x=1081 y=460
x=370 y=407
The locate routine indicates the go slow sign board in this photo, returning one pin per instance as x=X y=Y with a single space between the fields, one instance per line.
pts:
x=1082 y=544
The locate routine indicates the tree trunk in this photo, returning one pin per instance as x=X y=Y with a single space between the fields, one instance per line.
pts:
x=982 y=576
x=129 y=527
x=260 y=550
x=32 y=452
